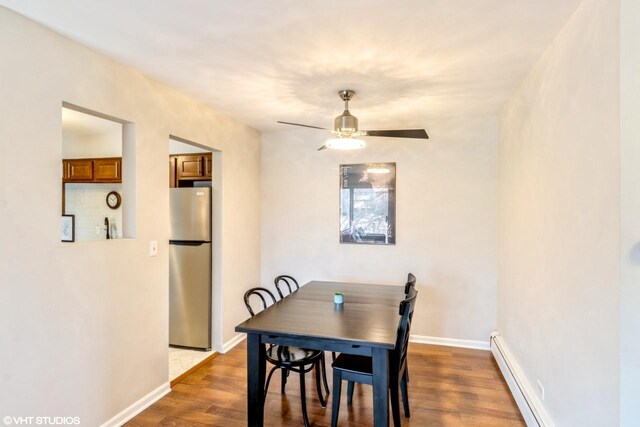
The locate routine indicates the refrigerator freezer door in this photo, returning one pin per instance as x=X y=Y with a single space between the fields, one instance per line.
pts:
x=190 y=214
x=190 y=295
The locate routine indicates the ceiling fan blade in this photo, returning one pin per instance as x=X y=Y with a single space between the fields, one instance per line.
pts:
x=298 y=124
x=324 y=147
x=406 y=133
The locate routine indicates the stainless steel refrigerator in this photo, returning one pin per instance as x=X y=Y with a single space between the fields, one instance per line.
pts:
x=190 y=268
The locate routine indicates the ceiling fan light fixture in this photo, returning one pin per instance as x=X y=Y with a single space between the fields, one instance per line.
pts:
x=345 y=143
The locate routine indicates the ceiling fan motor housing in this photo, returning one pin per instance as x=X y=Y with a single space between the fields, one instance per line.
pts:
x=346 y=123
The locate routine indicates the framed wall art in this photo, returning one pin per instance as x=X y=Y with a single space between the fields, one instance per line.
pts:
x=368 y=203
x=67 y=228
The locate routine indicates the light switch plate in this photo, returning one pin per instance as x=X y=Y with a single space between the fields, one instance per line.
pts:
x=153 y=248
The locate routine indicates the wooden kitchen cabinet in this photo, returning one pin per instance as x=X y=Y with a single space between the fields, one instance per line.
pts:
x=190 y=167
x=77 y=170
x=92 y=170
x=172 y=172
x=208 y=166
x=184 y=169
x=107 y=170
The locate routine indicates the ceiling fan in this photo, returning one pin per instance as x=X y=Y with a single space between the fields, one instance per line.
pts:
x=345 y=128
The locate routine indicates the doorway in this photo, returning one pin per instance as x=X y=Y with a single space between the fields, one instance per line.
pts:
x=192 y=265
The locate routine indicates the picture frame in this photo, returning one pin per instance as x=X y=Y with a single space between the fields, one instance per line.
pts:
x=68 y=228
x=368 y=203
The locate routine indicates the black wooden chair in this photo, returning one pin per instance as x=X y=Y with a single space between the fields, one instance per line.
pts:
x=292 y=286
x=290 y=282
x=355 y=368
x=411 y=283
x=289 y=358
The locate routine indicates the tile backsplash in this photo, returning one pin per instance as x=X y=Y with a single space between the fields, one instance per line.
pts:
x=88 y=203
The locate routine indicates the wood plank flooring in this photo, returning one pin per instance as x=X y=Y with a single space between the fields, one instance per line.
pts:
x=448 y=387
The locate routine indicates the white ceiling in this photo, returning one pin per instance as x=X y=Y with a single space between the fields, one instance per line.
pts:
x=261 y=61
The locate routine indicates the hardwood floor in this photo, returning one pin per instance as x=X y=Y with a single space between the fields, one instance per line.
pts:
x=448 y=387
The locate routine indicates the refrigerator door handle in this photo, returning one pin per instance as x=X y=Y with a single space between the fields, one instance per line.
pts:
x=188 y=242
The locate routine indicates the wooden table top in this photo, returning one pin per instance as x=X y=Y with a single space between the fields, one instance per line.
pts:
x=354 y=293
x=369 y=315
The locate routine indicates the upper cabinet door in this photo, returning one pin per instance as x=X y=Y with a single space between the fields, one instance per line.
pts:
x=208 y=166
x=172 y=172
x=108 y=170
x=77 y=170
x=190 y=167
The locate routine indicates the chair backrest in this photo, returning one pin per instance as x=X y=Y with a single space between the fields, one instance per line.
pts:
x=264 y=294
x=292 y=284
x=411 y=283
x=404 y=329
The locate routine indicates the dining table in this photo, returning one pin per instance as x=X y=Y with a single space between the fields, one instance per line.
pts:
x=365 y=324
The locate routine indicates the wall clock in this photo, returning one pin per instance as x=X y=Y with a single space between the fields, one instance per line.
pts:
x=114 y=200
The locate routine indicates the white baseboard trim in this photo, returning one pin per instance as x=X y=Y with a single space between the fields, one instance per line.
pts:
x=450 y=342
x=524 y=394
x=138 y=406
x=232 y=343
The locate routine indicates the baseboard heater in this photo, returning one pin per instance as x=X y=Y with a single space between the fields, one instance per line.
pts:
x=528 y=403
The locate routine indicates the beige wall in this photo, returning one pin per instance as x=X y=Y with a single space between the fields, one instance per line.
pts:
x=630 y=212
x=178 y=147
x=559 y=220
x=446 y=220
x=84 y=328
x=92 y=146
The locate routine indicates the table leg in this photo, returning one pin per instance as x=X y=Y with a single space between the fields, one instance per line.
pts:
x=380 y=358
x=256 y=367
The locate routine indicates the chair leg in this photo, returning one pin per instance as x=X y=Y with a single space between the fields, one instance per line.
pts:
x=405 y=395
x=283 y=379
x=303 y=398
x=318 y=370
x=349 y=392
x=324 y=375
x=395 y=400
x=333 y=355
x=335 y=403
x=266 y=387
